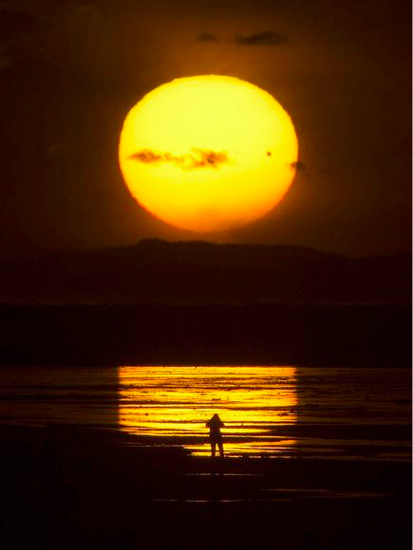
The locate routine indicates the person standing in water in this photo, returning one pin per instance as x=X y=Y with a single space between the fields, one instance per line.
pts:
x=215 y=436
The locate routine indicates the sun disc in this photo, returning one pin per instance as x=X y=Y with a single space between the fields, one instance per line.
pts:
x=208 y=153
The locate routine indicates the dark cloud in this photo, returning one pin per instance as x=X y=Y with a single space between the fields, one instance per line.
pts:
x=299 y=166
x=207 y=37
x=268 y=38
x=199 y=158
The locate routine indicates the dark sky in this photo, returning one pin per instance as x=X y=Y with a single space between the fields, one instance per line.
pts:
x=71 y=71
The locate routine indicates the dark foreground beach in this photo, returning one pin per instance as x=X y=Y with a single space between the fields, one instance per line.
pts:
x=95 y=491
x=117 y=458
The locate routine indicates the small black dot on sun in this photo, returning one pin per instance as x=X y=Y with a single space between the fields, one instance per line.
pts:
x=269 y=153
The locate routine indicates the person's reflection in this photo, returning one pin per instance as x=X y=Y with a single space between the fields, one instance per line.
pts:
x=215 y=436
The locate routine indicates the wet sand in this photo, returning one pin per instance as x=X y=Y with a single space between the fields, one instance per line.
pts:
x=87 y=467
x=78 y=487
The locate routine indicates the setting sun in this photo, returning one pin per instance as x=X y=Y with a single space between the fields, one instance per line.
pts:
x=208 y=153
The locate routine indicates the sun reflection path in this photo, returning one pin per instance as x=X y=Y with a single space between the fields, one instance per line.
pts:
x=173 y=403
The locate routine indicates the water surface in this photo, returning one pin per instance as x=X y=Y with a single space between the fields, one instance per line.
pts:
x=283 y=411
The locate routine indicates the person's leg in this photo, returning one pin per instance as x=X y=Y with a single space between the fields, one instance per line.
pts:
x=213 y=445
x=221 y=448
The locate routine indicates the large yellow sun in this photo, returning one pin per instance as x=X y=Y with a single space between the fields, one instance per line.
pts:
x=208 y=153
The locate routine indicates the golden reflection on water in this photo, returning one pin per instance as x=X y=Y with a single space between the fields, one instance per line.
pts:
x=176 y=402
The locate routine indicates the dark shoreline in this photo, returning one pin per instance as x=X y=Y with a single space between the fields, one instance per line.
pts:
x=322 y=335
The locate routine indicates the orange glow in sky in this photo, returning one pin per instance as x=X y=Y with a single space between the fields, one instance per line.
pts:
x=208 y=153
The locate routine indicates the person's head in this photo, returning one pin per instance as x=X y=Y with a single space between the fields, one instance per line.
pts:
x=216 y=417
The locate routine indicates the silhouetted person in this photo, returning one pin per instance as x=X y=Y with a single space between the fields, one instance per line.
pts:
x=215 y=436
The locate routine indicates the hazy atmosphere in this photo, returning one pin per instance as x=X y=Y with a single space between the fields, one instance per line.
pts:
x=71 y=71
x=206 y=274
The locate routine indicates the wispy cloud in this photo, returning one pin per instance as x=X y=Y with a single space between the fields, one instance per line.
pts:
x=268 y=38
x=298 y=165
x=198 y=159
x=208 y=37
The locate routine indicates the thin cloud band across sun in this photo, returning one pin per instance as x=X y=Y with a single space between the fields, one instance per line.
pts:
x=191 y=161
x=208 y=153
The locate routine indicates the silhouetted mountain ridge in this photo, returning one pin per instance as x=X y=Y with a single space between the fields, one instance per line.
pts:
x=155 y=271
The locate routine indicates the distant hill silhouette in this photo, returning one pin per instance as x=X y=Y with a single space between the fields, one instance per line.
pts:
x=155 y=271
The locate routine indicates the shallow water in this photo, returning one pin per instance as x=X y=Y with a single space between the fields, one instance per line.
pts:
x=281 y=411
